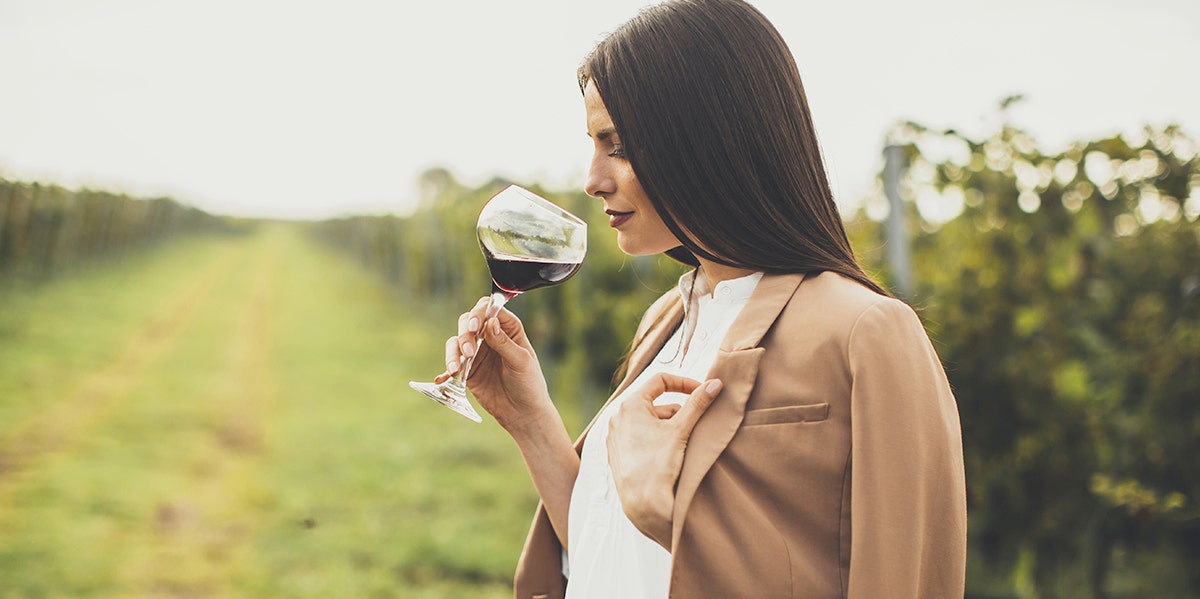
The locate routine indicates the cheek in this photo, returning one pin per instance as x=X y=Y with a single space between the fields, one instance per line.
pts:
x=663 y=238
x=650 y=237
x=650 y=234
x=662 y=234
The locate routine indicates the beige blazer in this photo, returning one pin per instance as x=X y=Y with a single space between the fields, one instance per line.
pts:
x=829 y=466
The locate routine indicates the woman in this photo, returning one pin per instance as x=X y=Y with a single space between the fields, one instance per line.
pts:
x=817 y=452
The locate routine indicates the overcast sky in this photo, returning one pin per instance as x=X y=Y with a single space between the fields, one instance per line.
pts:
x=287 y=108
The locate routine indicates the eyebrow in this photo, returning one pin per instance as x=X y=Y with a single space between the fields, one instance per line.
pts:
x=603 y=134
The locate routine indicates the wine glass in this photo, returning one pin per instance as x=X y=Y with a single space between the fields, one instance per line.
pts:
x=528 y=243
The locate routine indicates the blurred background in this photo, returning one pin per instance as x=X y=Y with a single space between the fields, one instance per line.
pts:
x=230 y=233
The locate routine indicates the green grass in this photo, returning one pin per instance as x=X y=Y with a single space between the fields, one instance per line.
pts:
x=231 y=417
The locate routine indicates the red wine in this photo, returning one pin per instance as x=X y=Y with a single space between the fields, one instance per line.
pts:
x=515 y=275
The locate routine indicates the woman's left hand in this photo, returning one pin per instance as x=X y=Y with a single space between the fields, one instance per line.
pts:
x=645 y=449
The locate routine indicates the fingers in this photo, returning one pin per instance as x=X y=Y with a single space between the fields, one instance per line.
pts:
x=452 y=355
x=665 y=412
x=509 y=323
x=497 y=334
x=506 y=331
x=685 y=416
x=666 y=383
x=478 y=312
x=465 y=344
x=469 y=324
x=698 y=403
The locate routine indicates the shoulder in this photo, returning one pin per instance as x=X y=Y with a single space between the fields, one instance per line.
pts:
x=868 y=328
x=841 y=293
x=830 y=300
x=836 y=309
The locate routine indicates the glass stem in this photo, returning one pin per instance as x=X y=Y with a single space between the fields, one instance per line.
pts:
x=499 y=298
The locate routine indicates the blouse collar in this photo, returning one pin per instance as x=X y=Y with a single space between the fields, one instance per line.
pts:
x=694 y=287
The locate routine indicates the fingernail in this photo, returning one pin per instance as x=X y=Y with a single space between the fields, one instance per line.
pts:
x=468 y=350
x=713 y=387
x=451 y=366
x=473 y=324
x=495 y=327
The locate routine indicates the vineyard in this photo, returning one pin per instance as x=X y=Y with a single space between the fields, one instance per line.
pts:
x=197 y=405
x=47 y=230
x=230 y=417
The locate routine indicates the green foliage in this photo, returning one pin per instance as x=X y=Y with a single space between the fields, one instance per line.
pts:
x=1064 y=299
x=46 y=229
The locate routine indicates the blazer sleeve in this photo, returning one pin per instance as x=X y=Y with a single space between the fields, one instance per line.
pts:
x=908 y=514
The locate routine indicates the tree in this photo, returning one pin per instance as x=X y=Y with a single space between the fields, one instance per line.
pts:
x=1063 y=293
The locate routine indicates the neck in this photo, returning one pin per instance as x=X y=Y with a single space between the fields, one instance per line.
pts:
x=715 y=273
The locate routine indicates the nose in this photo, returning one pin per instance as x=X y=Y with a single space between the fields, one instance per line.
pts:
x=599 y=182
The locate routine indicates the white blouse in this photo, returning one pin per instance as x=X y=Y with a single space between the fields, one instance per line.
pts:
x=607 y=556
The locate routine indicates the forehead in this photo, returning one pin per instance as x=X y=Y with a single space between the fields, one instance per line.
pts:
x=598 y=120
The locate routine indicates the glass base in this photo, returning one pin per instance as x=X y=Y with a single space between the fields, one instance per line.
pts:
x=448 y=396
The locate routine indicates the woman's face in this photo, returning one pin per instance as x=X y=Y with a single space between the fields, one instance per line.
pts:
x=640 y=231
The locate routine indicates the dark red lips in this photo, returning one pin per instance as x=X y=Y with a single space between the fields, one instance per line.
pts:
x=616 y=219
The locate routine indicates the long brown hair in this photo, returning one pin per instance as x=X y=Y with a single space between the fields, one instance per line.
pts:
x=712 y=115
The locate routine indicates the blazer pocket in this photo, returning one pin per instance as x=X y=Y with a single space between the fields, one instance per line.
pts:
x=781 y=415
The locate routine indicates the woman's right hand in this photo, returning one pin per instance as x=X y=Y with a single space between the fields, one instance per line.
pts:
x=505 y=376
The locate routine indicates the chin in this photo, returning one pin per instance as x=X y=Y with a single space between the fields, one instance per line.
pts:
x=629 y=251
x=629 y=246
x=636 y=249
x=645 y=244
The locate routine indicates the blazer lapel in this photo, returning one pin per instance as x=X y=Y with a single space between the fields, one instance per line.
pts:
x=737 y=367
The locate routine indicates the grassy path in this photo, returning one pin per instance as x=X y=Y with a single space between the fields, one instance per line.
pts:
x=55 y=426
x=230 y=417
